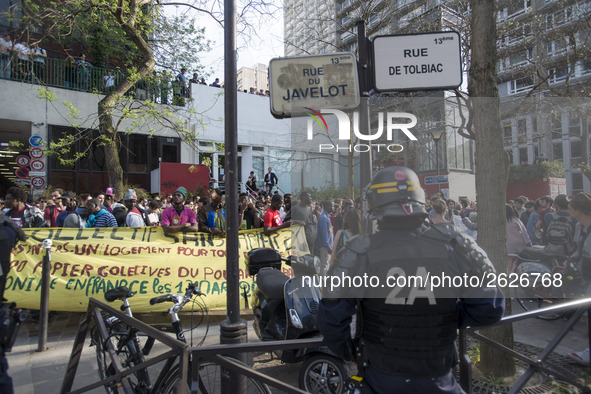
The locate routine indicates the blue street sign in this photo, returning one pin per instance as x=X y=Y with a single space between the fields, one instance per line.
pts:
x=36 y=141
x=434 y=180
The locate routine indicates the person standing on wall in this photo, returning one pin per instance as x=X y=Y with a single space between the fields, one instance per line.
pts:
x=270 y=181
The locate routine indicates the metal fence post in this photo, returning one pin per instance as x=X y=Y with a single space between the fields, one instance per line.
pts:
x=44 y=306
x=465 y=363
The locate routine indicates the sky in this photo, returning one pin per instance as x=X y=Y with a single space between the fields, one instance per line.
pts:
x=261 y=47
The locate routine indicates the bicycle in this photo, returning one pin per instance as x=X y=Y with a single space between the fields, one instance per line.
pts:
x=204 y=377
x=544 y=280
x=125 y=341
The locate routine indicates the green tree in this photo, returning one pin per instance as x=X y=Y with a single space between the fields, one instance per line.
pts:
x=138 y=34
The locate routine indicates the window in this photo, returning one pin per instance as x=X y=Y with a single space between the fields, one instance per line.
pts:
x=521 y=84
x=581 y=9
x=521 y=128
x=507 y=131
x=375 y=18
x=574 y=125
x=559 y=18
x=346 y=36
x=557 y=75
x=523 y=156
x=346 y=19
x=557 y=47
x=501 y=65
x=405 y=20
x=575 y=148
x=459 y=152
x=402 y=3
x=583 y=67
x=521 y=57
x=517 y=7
x=577 y=179
x=138 y=153
x=556 y=126
x=557 y=151
x=519 y=33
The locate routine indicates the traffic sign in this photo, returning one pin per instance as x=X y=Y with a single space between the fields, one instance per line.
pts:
x=23 y=161
x=38 y=182
x=37 y=173
x=417 y=61
x=320 y=81
x=22 y=181
x=434 y=180
x=37 y=165
x=36 y=141
x=22 y=172
x=36 y=153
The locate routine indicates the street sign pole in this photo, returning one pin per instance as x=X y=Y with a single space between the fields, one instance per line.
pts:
x=365 y=160
x=233 y=329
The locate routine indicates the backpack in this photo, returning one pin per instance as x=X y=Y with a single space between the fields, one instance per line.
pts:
x=559 y=235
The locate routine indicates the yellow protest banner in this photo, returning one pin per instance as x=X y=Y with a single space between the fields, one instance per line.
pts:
x=87 y=262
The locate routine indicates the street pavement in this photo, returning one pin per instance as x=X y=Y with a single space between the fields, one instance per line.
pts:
x=42 y=372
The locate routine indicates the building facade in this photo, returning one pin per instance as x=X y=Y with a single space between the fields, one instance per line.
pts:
x=24 y=113
x=543 y=68
x=256 y=77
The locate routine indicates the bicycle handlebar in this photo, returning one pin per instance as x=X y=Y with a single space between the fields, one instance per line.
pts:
x=178 y=299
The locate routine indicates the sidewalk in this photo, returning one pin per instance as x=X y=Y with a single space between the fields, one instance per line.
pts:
x=43 y=372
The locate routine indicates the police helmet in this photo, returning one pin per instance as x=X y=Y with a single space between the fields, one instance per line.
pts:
x=395 y=192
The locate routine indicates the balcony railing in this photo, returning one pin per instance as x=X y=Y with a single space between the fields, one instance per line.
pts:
x=72 y=75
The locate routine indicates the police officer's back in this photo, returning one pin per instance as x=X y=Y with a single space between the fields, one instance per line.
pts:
x=9 y=233
x=407 y=329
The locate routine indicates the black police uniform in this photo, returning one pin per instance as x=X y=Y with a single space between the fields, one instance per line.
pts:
x=8 y=235
x=408 y=332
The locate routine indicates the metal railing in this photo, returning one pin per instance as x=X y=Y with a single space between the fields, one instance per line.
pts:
x=93 y=313
x=75 y=75
x=536 y=365
x=217 y=354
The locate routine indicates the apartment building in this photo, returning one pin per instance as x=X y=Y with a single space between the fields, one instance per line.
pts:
x=544 y=72
x=440 y=149
x=256 y=77
x=309 y=27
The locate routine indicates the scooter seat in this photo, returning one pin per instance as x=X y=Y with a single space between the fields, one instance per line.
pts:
x=271 y=282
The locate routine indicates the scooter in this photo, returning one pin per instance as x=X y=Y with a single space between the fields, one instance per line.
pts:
x=286 y=308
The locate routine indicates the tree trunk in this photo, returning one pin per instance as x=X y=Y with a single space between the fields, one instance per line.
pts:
x=127 y=19
x=106 y=129
x=492 y=166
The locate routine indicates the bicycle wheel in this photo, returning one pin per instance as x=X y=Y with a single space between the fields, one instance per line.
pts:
x=129 y=354
x=101 y=358
x=537 y=296
x=209 y=381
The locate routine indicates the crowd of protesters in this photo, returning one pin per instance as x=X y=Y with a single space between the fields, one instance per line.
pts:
x=550 y=223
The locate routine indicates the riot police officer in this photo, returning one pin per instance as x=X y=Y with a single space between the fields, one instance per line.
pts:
x=9 y=234
x=405 y=331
